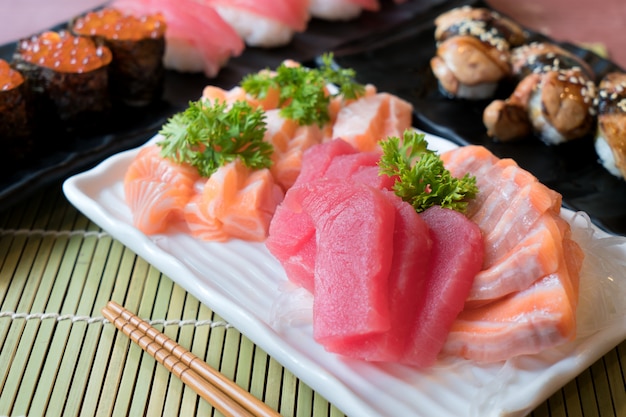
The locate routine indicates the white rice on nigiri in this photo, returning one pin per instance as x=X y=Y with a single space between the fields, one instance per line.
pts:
x=256 y=30
x=334 y=10
x=605 y=155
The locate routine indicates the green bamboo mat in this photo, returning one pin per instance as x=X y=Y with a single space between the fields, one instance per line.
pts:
x=58 y=357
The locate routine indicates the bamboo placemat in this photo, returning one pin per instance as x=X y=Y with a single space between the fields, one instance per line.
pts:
x=58 y=357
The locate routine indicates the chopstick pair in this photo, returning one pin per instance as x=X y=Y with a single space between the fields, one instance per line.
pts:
x=223 y=394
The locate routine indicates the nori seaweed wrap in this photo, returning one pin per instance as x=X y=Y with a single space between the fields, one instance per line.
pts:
x=16 y=118
x=136 y=74
x=67 y=76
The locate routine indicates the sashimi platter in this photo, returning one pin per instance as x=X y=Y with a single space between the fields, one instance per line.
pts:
x=397 y=261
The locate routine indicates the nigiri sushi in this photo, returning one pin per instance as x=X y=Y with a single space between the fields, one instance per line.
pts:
x=610 y=137
x=473 y=51
x=337 y=10
x=68 y=76
x=542 y=56
x=197 y=39
x=267 y=24
x=554 y=99
x=136 y=73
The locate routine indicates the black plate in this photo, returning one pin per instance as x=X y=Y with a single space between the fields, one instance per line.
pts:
x=398 y=62
x=130 y=127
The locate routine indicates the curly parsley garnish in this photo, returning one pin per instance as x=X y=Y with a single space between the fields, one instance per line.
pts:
x=422 y=180
x=303 y=93
x=208 y=135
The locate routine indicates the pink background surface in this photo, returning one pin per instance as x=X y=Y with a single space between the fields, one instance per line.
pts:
x=576 y=21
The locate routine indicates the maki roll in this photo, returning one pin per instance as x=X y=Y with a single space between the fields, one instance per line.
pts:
x=554 y=98
x=610 y=137
x=16 y=117
x=137 y=44
x=473 y=51
x=67 y=76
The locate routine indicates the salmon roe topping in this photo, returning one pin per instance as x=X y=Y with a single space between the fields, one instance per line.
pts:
x=113 y=24
x=63 y=52
x=9 y=78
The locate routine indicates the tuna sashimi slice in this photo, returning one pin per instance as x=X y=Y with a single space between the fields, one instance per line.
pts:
x=291 y=240
x=456 y=258
x=354 y=224
x=291 y=237
x=316 y=160
x=360 y=167
x=409 y=266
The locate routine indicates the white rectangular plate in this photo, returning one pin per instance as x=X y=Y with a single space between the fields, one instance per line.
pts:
x=244 y=284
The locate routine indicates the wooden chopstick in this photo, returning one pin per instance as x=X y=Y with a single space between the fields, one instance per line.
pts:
x=226 y=396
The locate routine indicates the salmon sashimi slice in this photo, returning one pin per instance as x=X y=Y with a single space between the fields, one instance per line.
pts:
x=539 y=317
x=536 y=256
x=157 y=190
x=366 y=121
x=290 y=141
x=524 y=209
x=236 y=202
x=201 y=224
x=510 y=203
x=268 y=102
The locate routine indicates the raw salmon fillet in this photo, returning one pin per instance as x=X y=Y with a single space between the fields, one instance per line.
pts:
x=525 y=297
x=509 y=209
x=366 y=121
x=235 y=202
x=157 y=190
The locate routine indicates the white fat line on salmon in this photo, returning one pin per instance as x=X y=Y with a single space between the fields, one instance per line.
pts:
x=98 y=319
x=54 y=233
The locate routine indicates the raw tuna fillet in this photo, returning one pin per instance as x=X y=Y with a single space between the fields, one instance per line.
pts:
x=316 y=159
x=291 y=240
x=409 y=267
x=291 y=236
x=353 y=224
x=456 y=258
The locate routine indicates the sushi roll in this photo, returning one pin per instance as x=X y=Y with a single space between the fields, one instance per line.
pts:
x=16 y=117
x=473 y=51
x=610 y=137
x=136 y=73
x=67 y=76
x=553 y=99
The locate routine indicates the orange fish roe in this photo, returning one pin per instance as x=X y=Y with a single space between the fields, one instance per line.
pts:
x=63 y=52
x=113 y=24
x=9 y=78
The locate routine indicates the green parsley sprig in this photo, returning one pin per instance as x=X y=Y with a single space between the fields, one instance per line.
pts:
x=209 y=134
x=422 y=180
x=303 y=94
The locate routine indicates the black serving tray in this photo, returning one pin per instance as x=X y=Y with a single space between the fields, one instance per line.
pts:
x=69 y=152
x=398 y=61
